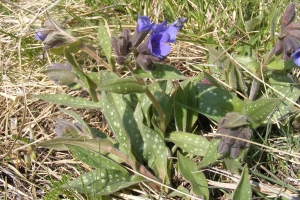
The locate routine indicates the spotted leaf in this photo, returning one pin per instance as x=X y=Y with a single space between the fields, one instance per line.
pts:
x=104 y=41
x=67 y=100
x=87 y=83
x=122 y=86
x=215 y=102
x=194 y=144
x=74 y=47
x=211 y=154
x=115 y=122
x=243 y=190
x=153 y=147
x=93 y=158
x=102 y=182
x=197 y=179
x=258 y=111
x=180 y=112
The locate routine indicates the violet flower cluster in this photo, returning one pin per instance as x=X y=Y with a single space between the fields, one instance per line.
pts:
x=154 y=48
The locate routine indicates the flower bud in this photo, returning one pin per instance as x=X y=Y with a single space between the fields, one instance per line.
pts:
x=288 y=15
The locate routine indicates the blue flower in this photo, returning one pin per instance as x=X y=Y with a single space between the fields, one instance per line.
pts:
x=158 y=44
x=172 y=30
x=41 y=34
x=159 y=38
x=296 y=57
x=156 y=28
x=144 y=23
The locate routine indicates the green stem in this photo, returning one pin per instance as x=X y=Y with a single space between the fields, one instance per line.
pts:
x=153 y=100
x=158 y=109
x=255 y=83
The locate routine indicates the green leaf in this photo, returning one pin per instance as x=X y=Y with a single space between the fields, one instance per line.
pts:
x=73 y=47
x=180 y=112
x=243 y=190
x=87 y=83
x=194 y=144
x=197 y=179
x=95 y=77
x=162 y=71
x=216 y=102
x=93 y=159
x=288 y=88
x=103 y=145
x=235 y=120
x=67 y=100
x=281 y=65
x=115 y=122
x=231 y=76
x=65 y=128
x=254 y=22
x=161 y=91
x=60 y=76
x=192 y=114
x=219 y=58
x=102 y=182
x=153 y=147
x=276 y=65
x=211 y=154
x=126 y=113
x=177 y=194
x=233 y=164
x=213 y=80
x=104 y=41
x=248 y=62
x=258 y=111
x=106 y=76
x=122 y=86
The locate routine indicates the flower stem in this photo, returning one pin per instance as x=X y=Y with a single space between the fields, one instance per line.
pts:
x=158 y=109
x=153 y=100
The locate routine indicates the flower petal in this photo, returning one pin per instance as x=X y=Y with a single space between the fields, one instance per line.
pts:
x=143 y=23
x=296 y=57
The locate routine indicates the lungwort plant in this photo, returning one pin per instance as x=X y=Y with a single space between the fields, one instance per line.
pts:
x=152 y=119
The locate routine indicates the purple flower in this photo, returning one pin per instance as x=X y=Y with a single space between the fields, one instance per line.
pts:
x=142 y=29
x=162 y=28
x=41 y=34
x=143 y=23
x=296 y=57
x=156 y=28
x=156 y=48
x=158 y=44
x=160 y=36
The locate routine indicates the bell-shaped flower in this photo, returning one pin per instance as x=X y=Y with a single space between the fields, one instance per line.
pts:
x=142 y=29
x=158 y=44
x=121 y=46
x=41 y=34
x=172 y=30
x=144 y=24
x=296 y=57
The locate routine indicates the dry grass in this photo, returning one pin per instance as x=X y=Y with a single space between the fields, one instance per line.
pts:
x=25 y=121
x=26 y=171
